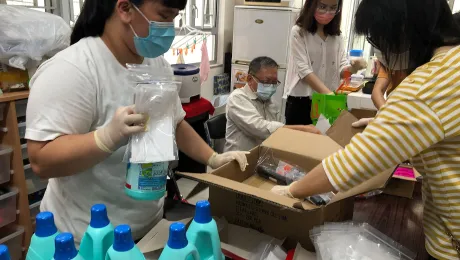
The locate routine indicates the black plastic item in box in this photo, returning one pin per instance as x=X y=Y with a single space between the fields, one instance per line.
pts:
x=268 y=172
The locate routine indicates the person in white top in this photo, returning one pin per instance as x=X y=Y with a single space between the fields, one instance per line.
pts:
x=252 y=116
x=80 y=114
x=317 y=58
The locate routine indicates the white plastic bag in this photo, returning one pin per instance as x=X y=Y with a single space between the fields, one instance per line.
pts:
x=155 y=95
x=27 y=36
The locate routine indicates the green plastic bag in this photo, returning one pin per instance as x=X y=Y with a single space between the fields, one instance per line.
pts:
x=330 y=106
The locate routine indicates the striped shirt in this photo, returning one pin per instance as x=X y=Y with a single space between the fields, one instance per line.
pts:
x=421 y=120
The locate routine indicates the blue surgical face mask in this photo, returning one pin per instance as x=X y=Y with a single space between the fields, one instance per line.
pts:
x=265 y=91
x=161 y=36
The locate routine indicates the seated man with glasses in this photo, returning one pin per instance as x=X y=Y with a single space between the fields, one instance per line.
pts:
x=251 y=113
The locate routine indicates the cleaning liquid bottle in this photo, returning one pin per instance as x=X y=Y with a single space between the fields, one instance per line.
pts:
x=98 y=238
x=42 y=243
x=65 y=248
x=123 y=246
x=203 y=233
x=146 y=181
x=4 y=253
x=178 y=247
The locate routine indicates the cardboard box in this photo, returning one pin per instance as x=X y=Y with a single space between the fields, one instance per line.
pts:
x=230 y=235
x=402 y=186
x=245 y=199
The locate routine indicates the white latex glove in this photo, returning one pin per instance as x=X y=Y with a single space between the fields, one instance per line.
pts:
x=283 y=190
x=125 y=122
x=362 y=122
x=358 y=64
x=217 y=160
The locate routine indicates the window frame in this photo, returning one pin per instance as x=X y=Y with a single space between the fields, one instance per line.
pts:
x=191 y=9
x=190 y=15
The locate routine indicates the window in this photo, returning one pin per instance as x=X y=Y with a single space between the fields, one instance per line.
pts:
x=198 y=14
x=39 y=5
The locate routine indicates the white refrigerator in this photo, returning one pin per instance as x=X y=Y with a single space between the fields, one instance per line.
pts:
x=261 y=31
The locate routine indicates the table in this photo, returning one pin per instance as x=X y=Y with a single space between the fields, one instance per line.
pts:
x=397 y=217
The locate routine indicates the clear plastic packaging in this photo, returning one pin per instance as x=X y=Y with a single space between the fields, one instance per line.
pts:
x=268 y=251
x=28 y=35
x=155 y=95
x=283 y=173
x=355 y=241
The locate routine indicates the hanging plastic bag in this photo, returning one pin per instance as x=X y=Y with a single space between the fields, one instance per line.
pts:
x=330 y=106
x=27 y=36
x=155 y=95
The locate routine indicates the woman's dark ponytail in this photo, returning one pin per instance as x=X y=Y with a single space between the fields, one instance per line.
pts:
x=95 y=13
x=92 y=19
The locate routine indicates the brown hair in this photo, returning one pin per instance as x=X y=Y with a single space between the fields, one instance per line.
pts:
x=308 y=22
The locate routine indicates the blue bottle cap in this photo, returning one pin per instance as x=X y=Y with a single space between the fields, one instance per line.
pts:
x=99 y=218
x=65 y=247
x=123 y=240
x=203 y=212
x=4 y=253
x=45 y=226
x=356 y=53
x=177 y=237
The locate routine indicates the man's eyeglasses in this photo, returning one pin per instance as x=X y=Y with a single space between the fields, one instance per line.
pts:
x=323 y=9
x=275 y=83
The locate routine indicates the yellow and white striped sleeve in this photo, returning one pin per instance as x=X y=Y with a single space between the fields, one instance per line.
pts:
x=402 y=129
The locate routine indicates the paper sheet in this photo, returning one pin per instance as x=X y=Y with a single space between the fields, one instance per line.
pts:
x=323 y=124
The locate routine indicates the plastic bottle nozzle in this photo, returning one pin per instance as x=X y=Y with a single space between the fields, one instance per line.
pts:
x=45 y=226
x=203 y=212
x=177 y=236
x=4 y=253
x=65 y=247
x=99 y=218
x=123 y=239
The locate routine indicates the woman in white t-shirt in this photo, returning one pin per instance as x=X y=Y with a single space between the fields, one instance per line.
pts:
x=317 y=58
x=79 y=115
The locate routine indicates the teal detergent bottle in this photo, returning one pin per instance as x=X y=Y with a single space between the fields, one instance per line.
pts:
x=203 y=233
x=65 y=248
x=146 y=181
x=4 y=253
x=123 y=246
x=42 y=243
x=98 y=238
x=178 y=247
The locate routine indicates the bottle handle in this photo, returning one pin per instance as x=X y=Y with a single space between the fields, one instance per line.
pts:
x=216 y=249
x=192 y=251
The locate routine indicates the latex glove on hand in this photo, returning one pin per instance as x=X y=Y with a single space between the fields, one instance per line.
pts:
x=125 y=122
x=283 y=190
x=358 y=64
x=218 y=160
x=363 y=122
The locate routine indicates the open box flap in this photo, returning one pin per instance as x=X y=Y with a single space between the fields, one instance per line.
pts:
x=341 y=131
x=377 y=182
x=306 y=144
x=242 y=188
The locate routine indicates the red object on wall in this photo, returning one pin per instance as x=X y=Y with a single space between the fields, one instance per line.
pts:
x=198 y=107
